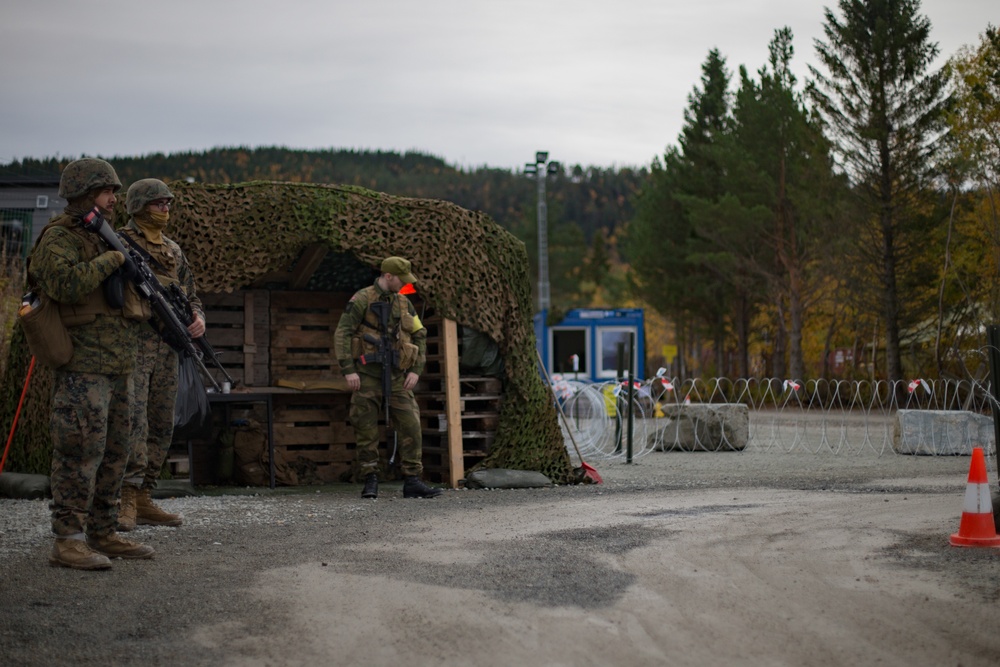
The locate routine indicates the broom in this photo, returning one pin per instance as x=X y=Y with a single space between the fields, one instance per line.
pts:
x=589 y=472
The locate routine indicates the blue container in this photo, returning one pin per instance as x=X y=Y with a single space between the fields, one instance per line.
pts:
x=584 y=345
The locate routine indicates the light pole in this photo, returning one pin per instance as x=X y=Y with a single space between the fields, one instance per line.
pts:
x=540 y=170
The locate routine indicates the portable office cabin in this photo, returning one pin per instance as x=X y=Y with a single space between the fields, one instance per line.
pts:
x=592 y=336
x=26 y=206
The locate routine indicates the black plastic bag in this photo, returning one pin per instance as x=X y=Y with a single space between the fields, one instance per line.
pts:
x=192 y=412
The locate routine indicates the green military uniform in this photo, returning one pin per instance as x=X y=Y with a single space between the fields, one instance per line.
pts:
x=90 y=402
x=366 y=403
x=155 y=375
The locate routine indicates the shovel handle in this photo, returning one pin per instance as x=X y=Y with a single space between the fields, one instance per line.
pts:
x=569 y=429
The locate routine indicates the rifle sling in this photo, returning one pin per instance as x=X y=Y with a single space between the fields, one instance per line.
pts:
x=146 y=257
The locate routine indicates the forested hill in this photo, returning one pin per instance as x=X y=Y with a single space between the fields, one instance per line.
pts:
x=586 y=198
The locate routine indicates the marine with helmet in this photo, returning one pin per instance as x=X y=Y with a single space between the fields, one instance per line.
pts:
x=90 y=420
x=148 y=204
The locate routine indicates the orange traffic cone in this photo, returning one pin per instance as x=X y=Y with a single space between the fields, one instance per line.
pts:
x=977 y=528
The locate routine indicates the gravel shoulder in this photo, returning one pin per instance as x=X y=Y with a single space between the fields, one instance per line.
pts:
x=679 y=558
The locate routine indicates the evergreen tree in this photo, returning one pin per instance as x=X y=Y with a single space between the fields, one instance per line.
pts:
x=884 y=107
x=775 y=219
x=673 y=267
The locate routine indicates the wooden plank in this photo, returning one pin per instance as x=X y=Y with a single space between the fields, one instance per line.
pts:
x=209 y=299
x=220 y=337
x=314 y=339
x=223 y=319
x=291 y=414
x=249 y=344
x=317 y=358
x=292 y=320
x=453 y=411
x=334 y=456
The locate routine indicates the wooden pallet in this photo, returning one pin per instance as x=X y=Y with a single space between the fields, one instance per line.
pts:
x=237 y=328
x=302 y=326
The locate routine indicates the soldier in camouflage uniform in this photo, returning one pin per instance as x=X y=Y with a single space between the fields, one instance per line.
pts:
x=91 y=393
x=155 y=375
x=351 y=342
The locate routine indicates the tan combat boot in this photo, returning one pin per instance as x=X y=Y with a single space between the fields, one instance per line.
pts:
x=68 y=552
x=126 y=512
x=148 y=514
x=113 y=546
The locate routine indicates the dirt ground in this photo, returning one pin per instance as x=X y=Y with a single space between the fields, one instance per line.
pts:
x=678 y=559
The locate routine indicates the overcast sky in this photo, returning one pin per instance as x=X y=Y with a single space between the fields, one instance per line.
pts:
x=475 y=82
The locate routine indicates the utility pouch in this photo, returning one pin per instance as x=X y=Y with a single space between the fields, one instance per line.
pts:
x=135 y=307
x=114 y=290
x=357 y=348
x=47 y=337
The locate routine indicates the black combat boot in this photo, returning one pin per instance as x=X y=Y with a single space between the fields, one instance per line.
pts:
x=414 y=488
x=371 y=486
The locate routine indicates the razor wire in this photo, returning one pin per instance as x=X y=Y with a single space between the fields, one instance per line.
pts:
x=772 y=415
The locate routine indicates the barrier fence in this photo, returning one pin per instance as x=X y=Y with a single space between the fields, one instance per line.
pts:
x=772 y=416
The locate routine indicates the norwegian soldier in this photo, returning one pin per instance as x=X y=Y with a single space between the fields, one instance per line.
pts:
x=363 y=341
x=90 y=420
x=148 y=203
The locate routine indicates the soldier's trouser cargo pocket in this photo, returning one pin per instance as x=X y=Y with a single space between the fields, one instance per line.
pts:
x=46 y=334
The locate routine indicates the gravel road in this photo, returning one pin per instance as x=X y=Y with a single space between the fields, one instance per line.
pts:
x=679 y=559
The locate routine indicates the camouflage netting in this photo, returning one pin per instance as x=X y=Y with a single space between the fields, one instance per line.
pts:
x=469 y=269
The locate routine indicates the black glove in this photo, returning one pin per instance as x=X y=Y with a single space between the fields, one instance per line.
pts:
x=129 y=270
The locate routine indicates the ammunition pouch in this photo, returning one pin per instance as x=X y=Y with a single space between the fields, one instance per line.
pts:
x=114 y=289
x=408 y=356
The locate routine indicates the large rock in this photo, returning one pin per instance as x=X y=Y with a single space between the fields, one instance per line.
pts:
x=702 y=428
x=947 y=432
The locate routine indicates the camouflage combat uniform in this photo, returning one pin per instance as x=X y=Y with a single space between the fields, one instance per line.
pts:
x=155 y=375
x=366 y=403
x=90 y=402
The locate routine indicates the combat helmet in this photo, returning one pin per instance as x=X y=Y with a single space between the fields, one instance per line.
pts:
x=144 y=191
x=86 y=174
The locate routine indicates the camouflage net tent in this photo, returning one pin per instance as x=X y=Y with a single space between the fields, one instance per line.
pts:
x=470 y=270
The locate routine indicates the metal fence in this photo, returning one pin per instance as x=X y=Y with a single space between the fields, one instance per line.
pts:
x=816 y=416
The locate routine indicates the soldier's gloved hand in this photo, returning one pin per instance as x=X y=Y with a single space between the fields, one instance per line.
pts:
x=108 y=261
x=129 y=270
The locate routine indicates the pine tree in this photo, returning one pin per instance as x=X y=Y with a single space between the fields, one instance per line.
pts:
x=671 y=267
x=884 y=109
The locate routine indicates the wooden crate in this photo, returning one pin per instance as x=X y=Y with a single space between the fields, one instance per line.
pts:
x=237 y=327
x=302 y=326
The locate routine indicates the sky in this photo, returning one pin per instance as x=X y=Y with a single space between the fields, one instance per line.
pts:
x=478 y=83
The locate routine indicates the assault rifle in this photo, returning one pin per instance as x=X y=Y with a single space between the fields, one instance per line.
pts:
x=172 y=330
x=387 y=356
x=181 y=305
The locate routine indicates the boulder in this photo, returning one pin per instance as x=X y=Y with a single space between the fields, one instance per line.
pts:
x=702 y=427
x=942 y=432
